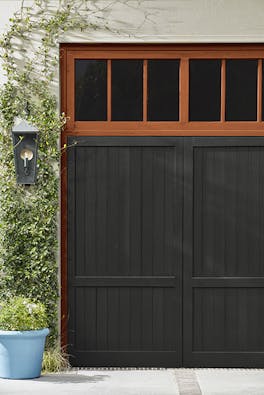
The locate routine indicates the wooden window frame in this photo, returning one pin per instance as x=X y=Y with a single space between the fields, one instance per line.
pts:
x=183 y=127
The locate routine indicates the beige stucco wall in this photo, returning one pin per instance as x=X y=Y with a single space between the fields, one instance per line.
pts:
x=172 y=20
x=164 y=21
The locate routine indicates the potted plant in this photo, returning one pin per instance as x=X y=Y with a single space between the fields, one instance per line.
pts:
x=22 y=338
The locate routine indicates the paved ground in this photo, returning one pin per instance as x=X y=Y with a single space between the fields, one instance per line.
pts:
x=231 y=381
x=142 y=382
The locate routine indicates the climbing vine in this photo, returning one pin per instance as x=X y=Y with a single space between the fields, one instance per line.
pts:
x=29 y=214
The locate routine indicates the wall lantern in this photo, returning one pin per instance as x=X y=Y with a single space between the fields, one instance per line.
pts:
x=25 y=141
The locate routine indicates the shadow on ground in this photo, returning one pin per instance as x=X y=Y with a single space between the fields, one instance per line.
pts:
x=72 y=378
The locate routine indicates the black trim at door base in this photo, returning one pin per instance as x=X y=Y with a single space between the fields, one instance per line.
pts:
x=125 y=359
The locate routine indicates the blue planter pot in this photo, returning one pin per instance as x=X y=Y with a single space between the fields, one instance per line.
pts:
x=21 y=353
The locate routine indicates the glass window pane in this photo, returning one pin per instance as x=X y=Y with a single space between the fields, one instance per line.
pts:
x=90 y=90
x=241 y=90
x=163 y=90
x=127 y=90
x=205 y=90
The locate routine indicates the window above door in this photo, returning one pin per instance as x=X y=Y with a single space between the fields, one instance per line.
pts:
x=163 y=89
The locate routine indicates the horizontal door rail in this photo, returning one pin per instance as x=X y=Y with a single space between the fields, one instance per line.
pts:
x=163 y=141
x=223 y=282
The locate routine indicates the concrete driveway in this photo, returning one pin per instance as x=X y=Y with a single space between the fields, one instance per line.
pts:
x=142 y=382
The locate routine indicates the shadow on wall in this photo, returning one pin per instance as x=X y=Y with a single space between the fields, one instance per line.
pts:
x=112 y=21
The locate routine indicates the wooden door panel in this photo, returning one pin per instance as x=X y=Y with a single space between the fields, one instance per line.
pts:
x=125 y=251
x=228 y=319
x=125 y=319
x=228 y=211
x=223 y=252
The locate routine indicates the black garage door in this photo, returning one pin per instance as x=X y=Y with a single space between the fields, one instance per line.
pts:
x=165 y=251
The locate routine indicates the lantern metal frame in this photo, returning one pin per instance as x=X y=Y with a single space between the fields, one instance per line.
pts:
x=25 y=143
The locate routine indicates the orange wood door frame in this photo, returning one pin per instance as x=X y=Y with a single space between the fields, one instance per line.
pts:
x=70 y=52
